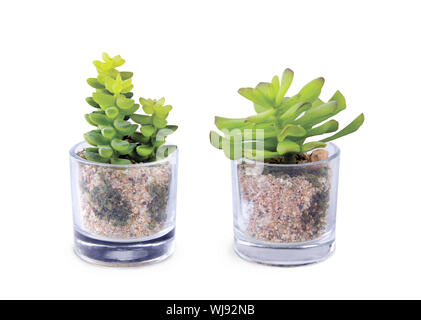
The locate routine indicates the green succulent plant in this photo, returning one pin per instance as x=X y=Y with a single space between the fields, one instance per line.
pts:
x=116 y=139
x=282 y=124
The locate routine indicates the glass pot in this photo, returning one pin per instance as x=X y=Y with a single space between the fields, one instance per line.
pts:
x=123 y=215
x=285 y=214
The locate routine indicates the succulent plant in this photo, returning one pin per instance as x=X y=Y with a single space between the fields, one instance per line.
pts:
x=282 y=124
x=116 y=139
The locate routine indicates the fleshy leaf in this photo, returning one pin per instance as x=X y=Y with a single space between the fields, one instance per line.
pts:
x=144 y=151
x=100 y=119
x=147 y=130
x=226 y=123
x=109 y=132
x=96 y=139
x=92 y=102
x=93 y=156
x=105 y=152
x=291 y=130
x=112 y=112
x=318 y=114
x=120 y=161
x=124 y=103
x=287 y=146
x=313 y=145
x=352 y=127
x=141 y=119
x=327 y=127
x=103 y=99
x=287 y=78
x=94 y=83
x=158 y=122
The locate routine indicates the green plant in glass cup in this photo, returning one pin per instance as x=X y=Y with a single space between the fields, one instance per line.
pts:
x=281 y=126
x=117 y=140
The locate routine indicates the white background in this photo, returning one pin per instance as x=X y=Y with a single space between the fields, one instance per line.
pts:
x=197 y=54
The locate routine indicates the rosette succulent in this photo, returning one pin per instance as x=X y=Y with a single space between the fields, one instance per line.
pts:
x=117 y=140
x=282 y=125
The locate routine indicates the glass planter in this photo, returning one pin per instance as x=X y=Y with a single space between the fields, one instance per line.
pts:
x=123 y=215
x=285 y=214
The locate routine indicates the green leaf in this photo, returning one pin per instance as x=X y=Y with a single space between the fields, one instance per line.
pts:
x=340 y=100
x=138 y=137
x=266 y=92
x=172 y=128
x=352 y=127
x=327 y=127
x=114 y=85
x=158 y=122
x=287 y=78
x=147 y=130
x=105 y=152
x=274 y=88
x=259 y=108
x=126 y=75
x=124 y=103
x=226 y=123
x=293 y=112
x=127 y=89
x=118 y=61
x=144 y=151
x=287 y=146
x=317 y=103
x=92 y=102
x=141 y=119
x=96 y=139
x=309 y=93
x=260 y=117
x=257 y=131
x=125 y=127
x=121 y=146
x=93 y=82
x=159 y=143
x=128 y=95
x=93 y=156
x=313 y=145
x=270 y=144
x=112 y=112
x=291 y=130
x=254 y=96
x=160 y=102
x=88 y=119
x=109 y=132
x=103 y=99
x=120 y=161
x=162 y=111
x=100 y=119
x=318 y=114
x=148 y=105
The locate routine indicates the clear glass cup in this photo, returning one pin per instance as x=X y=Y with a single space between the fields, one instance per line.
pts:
x=124 y=215
x=285 y=214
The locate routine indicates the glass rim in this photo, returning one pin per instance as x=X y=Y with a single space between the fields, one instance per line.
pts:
x=334 y=155
x=73 y=155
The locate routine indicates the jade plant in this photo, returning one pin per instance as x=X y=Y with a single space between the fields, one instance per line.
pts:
x=116 y=139
x=281 y=126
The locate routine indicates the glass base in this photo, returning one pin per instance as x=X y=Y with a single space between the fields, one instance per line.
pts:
x=284 y=254
x=124 y=254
